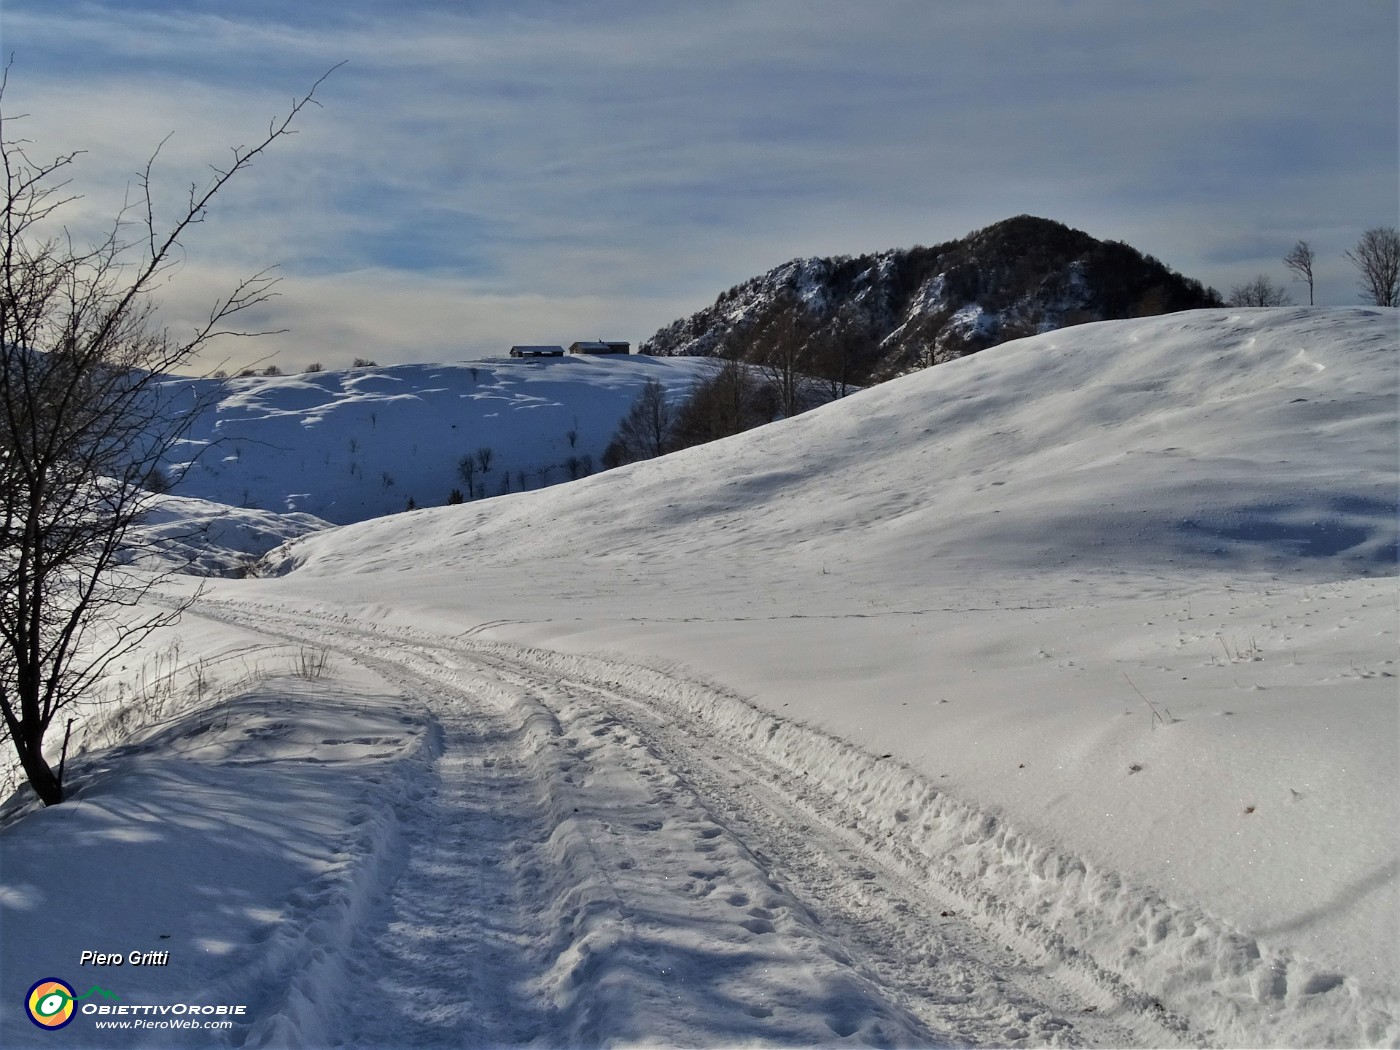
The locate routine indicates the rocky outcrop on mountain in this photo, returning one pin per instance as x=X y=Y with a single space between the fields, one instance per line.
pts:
x=863 y=319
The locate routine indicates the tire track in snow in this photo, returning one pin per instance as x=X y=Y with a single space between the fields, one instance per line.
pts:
x=900 y=932
x=562 y=886
x=437 y=961
x=876 y=917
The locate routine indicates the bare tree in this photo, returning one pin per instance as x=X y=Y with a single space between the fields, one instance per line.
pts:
x=1300 y=260
x=85 y=417
x=648 y=422
x=645 y=432
x=837 y=352
x=484 y=455
x=784 y=352
x=727 y=401
x=1377 y=256
x=1259 y=292
x=466 y=469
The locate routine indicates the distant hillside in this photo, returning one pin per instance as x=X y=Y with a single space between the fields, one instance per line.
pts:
x=355 y=444
x=872 y=317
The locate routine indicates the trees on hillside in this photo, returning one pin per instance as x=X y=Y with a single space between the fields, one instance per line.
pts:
x=472 y=465
x=1259 y=292
x=85 y=421
x=837 y=353
x=783 y=350
x=730 y=400
x=645 y=432
x=1377 y=257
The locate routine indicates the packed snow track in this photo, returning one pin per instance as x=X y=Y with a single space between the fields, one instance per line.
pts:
x=592 y=860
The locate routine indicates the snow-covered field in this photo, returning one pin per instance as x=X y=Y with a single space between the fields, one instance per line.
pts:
x=1046 y=697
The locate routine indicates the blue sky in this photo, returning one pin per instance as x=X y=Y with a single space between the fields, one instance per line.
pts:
x=487 y=173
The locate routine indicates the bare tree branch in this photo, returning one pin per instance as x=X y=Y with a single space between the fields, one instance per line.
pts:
x=86 y=421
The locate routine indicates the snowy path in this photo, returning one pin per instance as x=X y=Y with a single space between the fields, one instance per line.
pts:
x=591 y=861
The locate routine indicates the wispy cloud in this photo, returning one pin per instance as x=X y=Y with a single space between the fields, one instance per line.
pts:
x=480 y=172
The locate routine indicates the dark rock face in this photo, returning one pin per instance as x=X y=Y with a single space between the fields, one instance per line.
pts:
x=869 y=318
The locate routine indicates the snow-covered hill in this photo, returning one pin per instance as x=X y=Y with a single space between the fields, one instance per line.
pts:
x=1212 y=442
x=1045 y=697
x=354 y=444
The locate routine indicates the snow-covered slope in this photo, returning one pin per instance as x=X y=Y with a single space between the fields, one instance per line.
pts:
x=1128 y=590
x=203 y=538
x=1213 y=441
x=354 y=444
